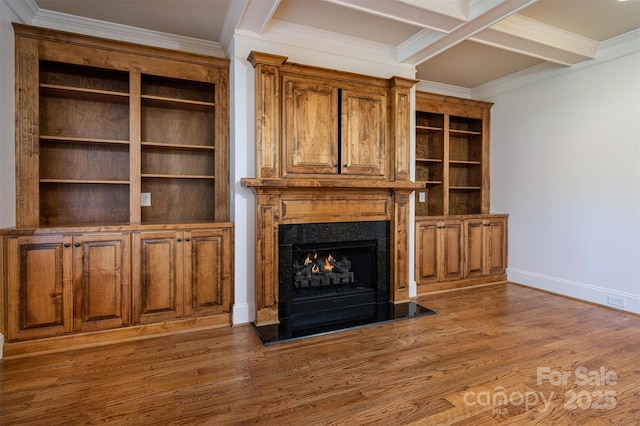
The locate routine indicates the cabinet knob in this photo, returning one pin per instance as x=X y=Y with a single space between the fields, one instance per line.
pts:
x=66 y=245
x=187 y=239
x=179 y=240
x=76 y=245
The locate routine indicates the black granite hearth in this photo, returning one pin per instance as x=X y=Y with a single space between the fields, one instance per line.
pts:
x=316 y=323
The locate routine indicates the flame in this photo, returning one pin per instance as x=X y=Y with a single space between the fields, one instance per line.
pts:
x=328 y=267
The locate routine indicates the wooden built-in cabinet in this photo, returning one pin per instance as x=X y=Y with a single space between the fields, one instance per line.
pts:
x=452 y=155
x=122 y=192
x=180 y=273
x=331 y=146
x=334 y=129
x=453 y=252
x=458 y=242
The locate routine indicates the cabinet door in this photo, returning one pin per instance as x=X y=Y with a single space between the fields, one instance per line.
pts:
x=310 y=126
x=207 y=275
x=440 y=251
x=39 y=287
x=363 y=132
x=427 y=252
x=452 y=250
x=475 y=254
x=101 y=277
x=157 y=277
x=496 y=246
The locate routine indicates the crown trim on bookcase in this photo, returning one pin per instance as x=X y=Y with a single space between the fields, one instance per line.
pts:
x=29 y=13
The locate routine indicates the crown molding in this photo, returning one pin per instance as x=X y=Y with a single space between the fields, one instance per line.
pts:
x=443 y=89
x=24 y=10
x=329 y=50
x=28 y=12
x=609 y=50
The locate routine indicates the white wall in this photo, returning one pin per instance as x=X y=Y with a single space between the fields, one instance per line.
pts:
x=7 y=124
x=566 y=166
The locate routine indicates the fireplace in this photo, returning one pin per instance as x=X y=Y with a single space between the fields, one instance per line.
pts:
x=327 y=268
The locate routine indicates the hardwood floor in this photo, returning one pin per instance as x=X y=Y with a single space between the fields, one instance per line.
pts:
x=500 y=354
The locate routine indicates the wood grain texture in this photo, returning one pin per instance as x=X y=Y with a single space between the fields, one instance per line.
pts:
x=424 y=371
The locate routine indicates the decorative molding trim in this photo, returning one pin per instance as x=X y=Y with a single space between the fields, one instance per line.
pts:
x=300 y=45
x=574 y=289
x=24 y=10
x=97 y=28
x=443 y=89
x=243 y=313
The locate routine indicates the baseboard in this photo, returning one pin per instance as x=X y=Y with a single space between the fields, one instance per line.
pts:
x=13 y=350
x=243 y=313
x=574 y=289
x=413 y=289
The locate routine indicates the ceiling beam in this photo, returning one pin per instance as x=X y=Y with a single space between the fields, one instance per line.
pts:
x=496 y=11
x=529 y=37
x=257 y=14
x=419 y=13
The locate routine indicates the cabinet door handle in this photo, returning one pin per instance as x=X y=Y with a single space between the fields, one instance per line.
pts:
x=187 y=239
x=76 y=245
x=66 y=245
x=179 y=240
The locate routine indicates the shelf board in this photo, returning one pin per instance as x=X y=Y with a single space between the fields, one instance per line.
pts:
x=429 y=160
x=73 y=139
x=83 y=93
x=465 y=187
x=428 y=129
x=163 y=176
x=465 y=162
x=464 y=132
x=86 y=181
x=176 y=146
x=164 y=102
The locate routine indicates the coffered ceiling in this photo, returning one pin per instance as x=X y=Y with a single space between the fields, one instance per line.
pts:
x=463 y=43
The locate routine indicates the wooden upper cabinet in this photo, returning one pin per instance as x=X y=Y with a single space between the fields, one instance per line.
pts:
x=364 y=132
x=310 y=126
x=452 y=155
x=101 y=122
x=334 y=123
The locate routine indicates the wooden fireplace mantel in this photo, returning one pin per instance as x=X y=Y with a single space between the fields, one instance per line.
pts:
x=330 y=147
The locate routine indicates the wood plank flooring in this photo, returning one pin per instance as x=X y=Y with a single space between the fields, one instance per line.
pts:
x=500 y=354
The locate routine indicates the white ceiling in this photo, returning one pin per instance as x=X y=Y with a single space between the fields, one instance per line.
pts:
x=464 y=43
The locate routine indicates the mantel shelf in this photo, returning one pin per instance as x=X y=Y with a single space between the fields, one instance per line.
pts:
x=360 y=184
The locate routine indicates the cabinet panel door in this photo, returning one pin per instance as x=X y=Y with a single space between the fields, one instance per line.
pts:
x=452 y=250
x=427 y=253
x=310 y=126
x=39 y=287
x=364 y=138
x=101 y=279
x=496 y=230
x=157 y=281
x=475 y=248
x=207 y=275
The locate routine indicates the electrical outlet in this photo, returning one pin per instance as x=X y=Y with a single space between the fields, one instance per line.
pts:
x=618 y=301
x=145 y=199
x=422 y=197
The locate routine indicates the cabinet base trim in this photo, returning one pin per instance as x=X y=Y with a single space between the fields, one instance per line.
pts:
x=14 y=350
x=454 y=285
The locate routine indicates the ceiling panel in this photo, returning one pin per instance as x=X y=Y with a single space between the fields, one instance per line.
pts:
x=471 y=64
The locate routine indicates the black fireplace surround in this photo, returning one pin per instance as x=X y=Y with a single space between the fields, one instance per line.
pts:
x=363 y=246
x=333 y=276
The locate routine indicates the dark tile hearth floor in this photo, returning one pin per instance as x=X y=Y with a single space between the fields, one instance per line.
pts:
x=307 y=325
